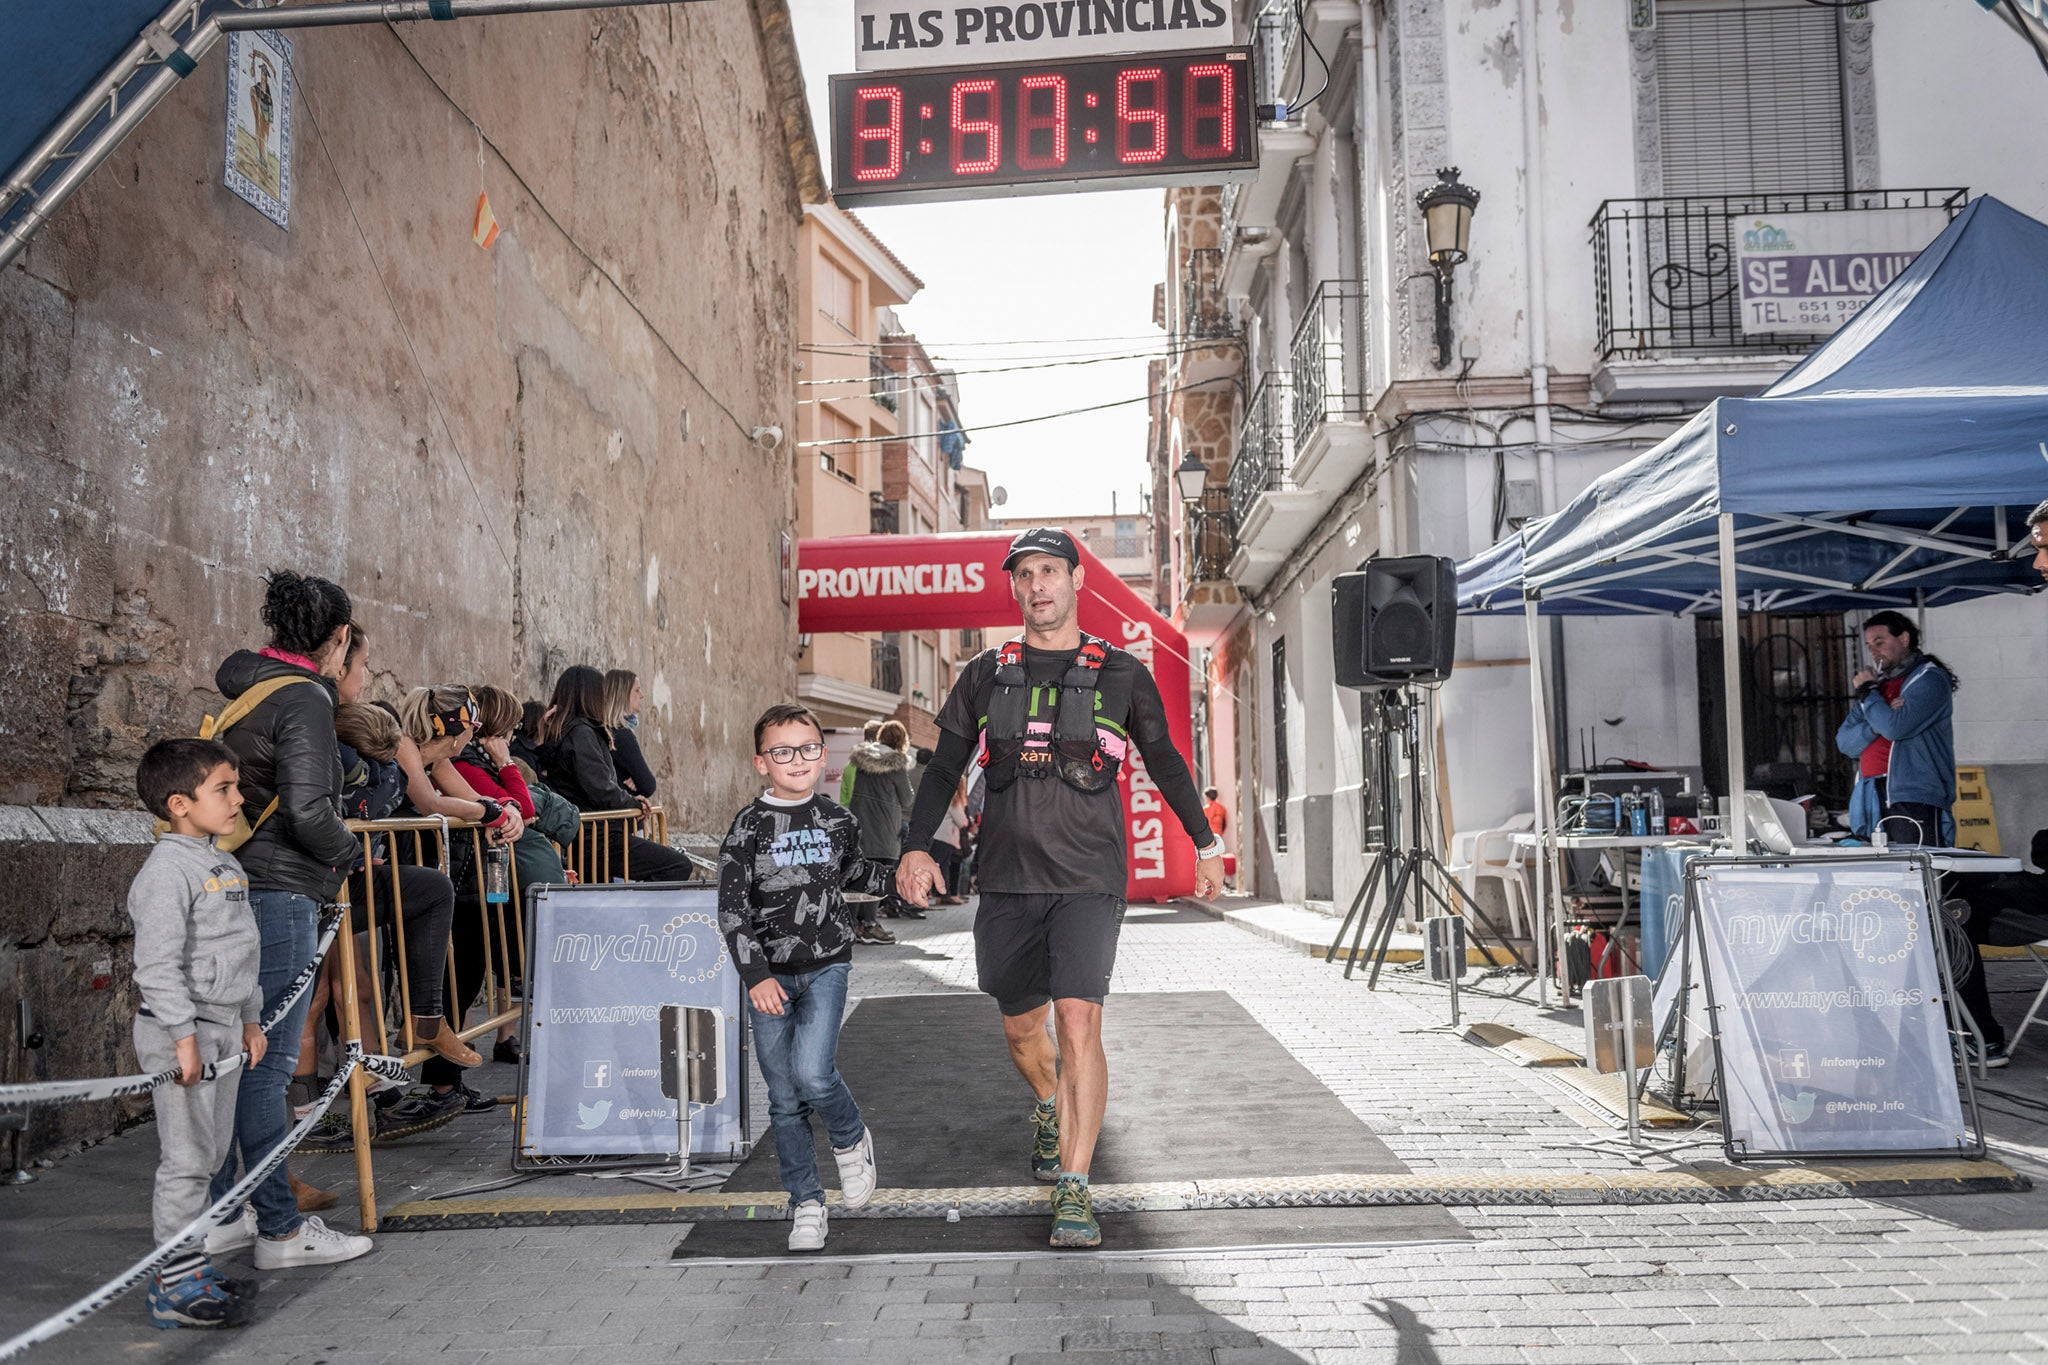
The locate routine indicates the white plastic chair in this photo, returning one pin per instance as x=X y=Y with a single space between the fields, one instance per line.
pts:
x=1496 y=857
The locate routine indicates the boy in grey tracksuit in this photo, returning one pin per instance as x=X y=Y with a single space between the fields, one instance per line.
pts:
x=196 y=956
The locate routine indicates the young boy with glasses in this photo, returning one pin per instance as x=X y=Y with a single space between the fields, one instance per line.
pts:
x=786 y=862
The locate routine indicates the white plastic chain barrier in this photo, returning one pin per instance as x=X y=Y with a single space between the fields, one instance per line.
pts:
x=113 y=1087
x=390 y=1067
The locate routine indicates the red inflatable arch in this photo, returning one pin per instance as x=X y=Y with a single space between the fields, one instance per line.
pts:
x=956 y=582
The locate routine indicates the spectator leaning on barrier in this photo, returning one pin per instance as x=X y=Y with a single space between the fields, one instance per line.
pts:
x=486 y=764
x=1900 y=730
x=196 y=959
x=622 y=717
x=576 y=760
x=296 y=859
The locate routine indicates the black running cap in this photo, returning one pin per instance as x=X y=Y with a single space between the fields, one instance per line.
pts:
x=1043 y=540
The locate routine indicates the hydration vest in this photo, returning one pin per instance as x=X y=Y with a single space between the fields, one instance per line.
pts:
x=1058 y=730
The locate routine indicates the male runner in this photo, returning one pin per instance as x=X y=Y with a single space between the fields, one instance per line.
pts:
x=1054 y=712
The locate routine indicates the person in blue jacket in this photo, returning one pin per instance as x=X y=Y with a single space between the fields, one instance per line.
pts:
x=1901 y=731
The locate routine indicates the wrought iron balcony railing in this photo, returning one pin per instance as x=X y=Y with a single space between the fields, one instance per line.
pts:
x=1211 y=536
x=885 y=666
x=1204 y=314
x=887 y=383
x=1664 y=275
x=1329 y=358
x=1265 y=445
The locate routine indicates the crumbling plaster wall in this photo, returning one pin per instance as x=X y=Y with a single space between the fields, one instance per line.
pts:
x=514 y=459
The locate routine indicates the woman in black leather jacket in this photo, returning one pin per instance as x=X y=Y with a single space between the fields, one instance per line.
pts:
x=577 y=761
x=297 y=859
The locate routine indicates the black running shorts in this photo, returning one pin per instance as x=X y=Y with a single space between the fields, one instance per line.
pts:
x=1031 y=947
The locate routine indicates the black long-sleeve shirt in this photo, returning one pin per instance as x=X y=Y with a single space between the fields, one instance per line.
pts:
x=630 y=763
x=781 y=877
x=1041 y=835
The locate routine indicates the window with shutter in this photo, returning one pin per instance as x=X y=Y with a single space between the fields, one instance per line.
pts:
x=1749 y=97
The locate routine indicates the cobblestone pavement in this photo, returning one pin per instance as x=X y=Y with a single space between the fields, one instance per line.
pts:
x=1958 y=1278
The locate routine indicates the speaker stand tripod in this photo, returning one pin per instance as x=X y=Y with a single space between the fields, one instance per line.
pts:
x=1405 y=870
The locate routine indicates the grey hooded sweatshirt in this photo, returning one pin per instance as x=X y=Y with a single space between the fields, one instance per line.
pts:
x=196 y=945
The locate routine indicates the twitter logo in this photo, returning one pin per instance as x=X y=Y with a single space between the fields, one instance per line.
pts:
x=1796 y=1110
x=589 y=1116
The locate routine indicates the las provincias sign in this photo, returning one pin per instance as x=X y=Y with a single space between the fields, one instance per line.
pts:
x=892 y=35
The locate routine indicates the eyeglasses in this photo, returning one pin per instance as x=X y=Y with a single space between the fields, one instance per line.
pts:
x=783 y=753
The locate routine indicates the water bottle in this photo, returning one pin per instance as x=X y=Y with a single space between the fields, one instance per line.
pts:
x=498 y=875
x=1657 y=825
x=1638 y=817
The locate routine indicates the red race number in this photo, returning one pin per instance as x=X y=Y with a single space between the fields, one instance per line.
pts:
x=964 y=127
x=1045 y=125
x=878 y=118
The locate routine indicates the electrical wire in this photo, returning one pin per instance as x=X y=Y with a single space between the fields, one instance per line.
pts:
x=1017 y=422
x=939 y=376
x=743 y=428
x=1301 y=21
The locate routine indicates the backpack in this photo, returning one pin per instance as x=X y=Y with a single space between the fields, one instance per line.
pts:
x=213 y=727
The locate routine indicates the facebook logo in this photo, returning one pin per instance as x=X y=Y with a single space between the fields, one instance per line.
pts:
x=597 y=1075
x=1792 y=1064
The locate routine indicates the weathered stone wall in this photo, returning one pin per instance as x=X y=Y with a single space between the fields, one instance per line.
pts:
x=514 y=459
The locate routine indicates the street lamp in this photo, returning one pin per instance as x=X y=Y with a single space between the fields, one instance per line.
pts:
x=1447 y=228
x=1192 y=476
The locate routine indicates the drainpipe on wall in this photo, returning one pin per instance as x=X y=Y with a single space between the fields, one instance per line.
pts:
x=1532 y=242
x=1365 y=143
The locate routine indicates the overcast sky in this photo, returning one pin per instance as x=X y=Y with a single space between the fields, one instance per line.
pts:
x=1054 y=269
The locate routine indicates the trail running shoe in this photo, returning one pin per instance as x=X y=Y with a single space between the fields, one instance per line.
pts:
x=195 y=1300
x=1045 y=1143
x=1073 y=1216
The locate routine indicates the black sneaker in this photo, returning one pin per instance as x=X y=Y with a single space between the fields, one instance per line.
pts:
x=507 y=1051
x=333 y=1133
x=474 y=1103
x=1994 y=1055
x=420 y=1112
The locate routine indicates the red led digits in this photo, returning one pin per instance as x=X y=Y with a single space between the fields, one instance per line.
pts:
x=888 y=99
x=965 y=127
x=1048 y=128
x=1197 y=113
x=1131 y=146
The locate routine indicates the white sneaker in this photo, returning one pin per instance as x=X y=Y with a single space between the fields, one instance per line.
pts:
x=232 y=1235
x=857 y=1171
x=809 y=1232
x=313 y=1244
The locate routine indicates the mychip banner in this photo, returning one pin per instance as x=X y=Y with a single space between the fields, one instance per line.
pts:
x=602 y=961
x=1825 y=983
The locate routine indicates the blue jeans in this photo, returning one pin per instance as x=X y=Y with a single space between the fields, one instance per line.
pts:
x=289 y=925
x=798 y=1053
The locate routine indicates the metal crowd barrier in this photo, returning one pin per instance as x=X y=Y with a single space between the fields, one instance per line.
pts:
x=591 y=858
x=503 y=928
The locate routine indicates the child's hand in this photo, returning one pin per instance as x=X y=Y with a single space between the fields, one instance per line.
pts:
x=255 y=1042
x=768 y=997
x=189 y=1065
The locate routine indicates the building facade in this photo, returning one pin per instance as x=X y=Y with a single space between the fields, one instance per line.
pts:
x=566 y=447
x=882 y=453
x=1346 y=401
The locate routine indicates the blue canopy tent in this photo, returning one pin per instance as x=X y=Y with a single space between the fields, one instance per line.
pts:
x=1894 y=466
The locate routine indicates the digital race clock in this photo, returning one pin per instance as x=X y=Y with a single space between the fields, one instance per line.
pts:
x=1034 y=128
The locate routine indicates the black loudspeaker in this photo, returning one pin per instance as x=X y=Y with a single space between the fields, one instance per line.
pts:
x=1396 y=621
